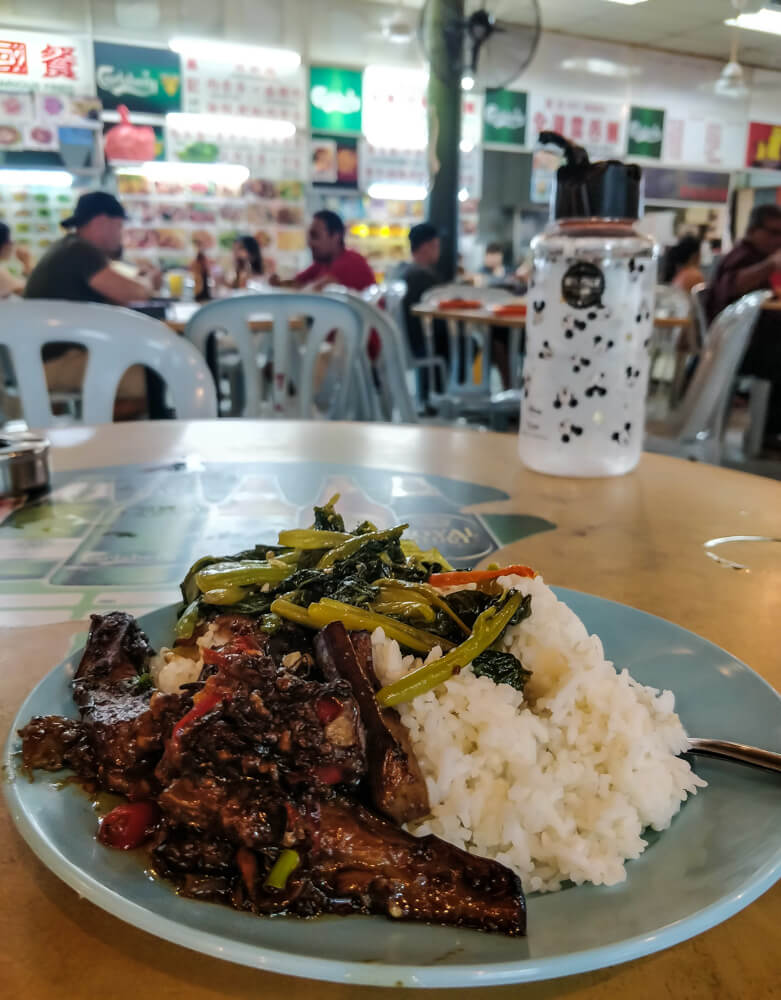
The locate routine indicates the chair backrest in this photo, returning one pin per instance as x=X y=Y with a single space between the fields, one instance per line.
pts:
x=382 y=389
x=116 y=339
x=705 y=404
x=698 y=295
x=294 y=354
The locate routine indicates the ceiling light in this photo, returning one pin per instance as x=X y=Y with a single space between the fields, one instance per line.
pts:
x=466 y=146
x=211 y=51
x=240 y=125
x=463 y=195
x=766 y=20
x=467 y=82
x=230 y=174
x=626 y=3
x=37 y=178
x=387 y=191
x=600 y=67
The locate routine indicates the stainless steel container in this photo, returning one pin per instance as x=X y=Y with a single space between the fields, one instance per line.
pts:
x=24 y=463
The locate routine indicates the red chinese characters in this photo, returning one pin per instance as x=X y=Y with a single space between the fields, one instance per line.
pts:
x=59 y=61
x=13 y=58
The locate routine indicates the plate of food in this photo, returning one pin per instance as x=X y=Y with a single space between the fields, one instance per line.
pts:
x=340 y=758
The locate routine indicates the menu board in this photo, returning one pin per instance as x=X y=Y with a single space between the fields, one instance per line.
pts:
x=708 y=142
x=273 y=158
x=166 y=218
x=34 y=215
x=599 y=126
x=245 y=89
x=31 y=60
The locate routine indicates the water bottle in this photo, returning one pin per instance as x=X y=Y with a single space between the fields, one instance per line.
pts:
x=590 y=320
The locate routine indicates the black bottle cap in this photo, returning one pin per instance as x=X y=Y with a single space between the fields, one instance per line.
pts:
x=607 y=189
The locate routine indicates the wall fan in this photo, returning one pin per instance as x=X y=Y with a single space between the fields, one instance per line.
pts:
x=486 y=48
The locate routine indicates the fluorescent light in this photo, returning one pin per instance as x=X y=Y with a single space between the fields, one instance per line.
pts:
x=36 y=178
x=281 y=60
x=257 y=128
x=230 y=174
x=467 y=82
x=626 y=3
x=600 y=67
x=766 y=20
x=463 y=195
x=388 y=191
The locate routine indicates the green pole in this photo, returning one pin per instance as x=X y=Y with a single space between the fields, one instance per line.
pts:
x=443 y=45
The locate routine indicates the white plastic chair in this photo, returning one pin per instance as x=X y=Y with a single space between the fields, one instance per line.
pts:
x=116 y=339
x=293 y=355
x=383 y=388
x=695 y=429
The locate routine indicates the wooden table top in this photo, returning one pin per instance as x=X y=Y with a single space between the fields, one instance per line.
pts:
x=636 y=539
x=486 y=317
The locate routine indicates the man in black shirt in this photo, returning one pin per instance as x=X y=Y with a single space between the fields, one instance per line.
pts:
x=420 y=275
x=78 y=268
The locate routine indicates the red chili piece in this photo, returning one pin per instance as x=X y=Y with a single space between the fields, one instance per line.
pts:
x=327 y=710
x=129 y=825
x=329 y=774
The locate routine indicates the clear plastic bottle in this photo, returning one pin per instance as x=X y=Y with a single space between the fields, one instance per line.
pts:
x=591 y=301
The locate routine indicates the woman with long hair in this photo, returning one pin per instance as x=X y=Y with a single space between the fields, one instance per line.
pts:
x=247 y=260
x=681 y=266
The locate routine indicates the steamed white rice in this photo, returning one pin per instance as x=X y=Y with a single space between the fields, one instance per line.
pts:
x=556 y=783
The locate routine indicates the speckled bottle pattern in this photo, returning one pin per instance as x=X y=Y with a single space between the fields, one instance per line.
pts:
x=591 y=302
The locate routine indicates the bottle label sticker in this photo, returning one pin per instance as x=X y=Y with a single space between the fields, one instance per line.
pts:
x=583 y=285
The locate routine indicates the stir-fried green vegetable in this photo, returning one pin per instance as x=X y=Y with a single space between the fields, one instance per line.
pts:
x=282 y=869
x=366 y=579
x=487 y=629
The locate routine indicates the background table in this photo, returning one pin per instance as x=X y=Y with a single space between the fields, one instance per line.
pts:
x=637 y=539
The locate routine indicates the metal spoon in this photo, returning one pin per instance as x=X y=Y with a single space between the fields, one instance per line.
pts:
x=739 y=752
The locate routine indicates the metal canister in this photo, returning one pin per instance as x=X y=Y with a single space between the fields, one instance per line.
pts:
x=24 y=463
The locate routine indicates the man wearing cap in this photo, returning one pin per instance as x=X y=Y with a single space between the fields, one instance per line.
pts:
x=78 y=267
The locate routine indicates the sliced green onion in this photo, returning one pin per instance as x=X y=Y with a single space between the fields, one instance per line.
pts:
x=312 y=538
x=282 y=869
x=487 y=629
x=357 y=542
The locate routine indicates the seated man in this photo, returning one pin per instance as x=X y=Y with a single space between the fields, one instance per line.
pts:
x=420 y=275
x=746 y=268
x=332 y=263
x=79 y=268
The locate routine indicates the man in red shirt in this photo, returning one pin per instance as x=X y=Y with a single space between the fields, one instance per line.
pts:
x=332 y=263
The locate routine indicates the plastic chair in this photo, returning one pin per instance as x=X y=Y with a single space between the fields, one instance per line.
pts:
x=116 y=339
x=695 y=429
x=383 y=387
x=462 y=393
x=698 y=295
x=293 y=355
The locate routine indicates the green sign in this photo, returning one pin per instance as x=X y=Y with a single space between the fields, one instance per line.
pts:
x=143 y=79
x=504 y=117
x=646 y=131
x=335 y=99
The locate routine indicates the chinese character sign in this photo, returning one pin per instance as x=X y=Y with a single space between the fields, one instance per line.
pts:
x=35 y=61
x=600 y=126
x=59 y=60
x=13 y=58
